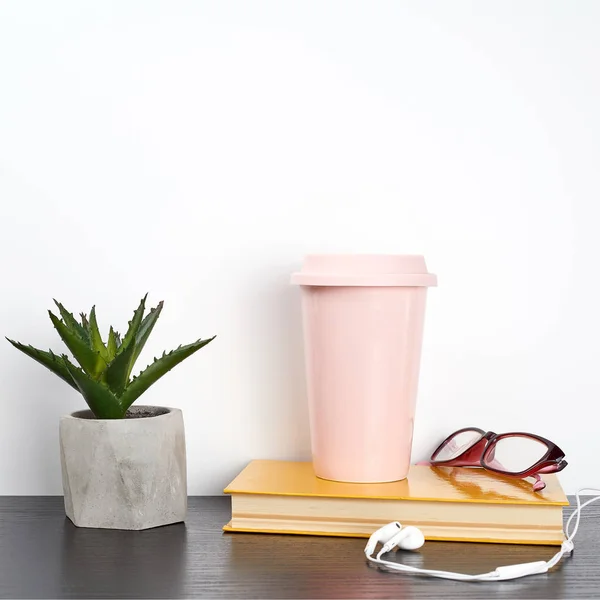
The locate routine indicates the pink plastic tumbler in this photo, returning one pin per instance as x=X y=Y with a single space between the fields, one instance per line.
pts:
x=363 y=321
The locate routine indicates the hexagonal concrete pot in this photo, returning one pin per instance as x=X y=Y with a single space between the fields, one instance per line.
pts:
x=124 y=473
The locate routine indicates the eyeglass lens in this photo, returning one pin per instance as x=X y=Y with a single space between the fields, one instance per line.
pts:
x=514 y=454
x=457 y=444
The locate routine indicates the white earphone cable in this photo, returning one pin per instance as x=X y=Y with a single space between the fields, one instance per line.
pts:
x=576 y=514
x=501 y=573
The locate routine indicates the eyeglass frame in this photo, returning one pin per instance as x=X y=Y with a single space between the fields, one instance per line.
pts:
x=551 y=462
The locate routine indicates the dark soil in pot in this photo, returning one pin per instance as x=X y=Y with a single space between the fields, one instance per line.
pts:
x=141 y=412
x=135 y=412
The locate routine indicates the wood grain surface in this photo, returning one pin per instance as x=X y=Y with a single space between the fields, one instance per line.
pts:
x=42 y=555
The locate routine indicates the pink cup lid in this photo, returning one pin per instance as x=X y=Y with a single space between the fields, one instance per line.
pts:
x=365 y=270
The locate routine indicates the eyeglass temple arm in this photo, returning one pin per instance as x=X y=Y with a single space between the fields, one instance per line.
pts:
x=539 y=482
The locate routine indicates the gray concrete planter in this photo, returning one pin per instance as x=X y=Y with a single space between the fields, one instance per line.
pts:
x=125 y=473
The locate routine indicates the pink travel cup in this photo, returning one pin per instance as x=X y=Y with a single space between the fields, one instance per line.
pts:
x=363 y=321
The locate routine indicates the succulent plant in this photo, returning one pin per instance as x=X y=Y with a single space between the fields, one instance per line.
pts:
x=103 y=376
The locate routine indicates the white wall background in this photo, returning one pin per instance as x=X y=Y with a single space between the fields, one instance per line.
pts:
x=197 y=150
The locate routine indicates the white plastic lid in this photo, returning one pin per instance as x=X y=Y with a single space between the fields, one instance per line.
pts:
x=364 y=270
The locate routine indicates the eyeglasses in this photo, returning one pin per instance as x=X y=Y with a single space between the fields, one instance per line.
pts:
x=514 y=454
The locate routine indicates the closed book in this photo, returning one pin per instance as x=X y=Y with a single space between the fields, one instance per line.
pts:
x=446 y=503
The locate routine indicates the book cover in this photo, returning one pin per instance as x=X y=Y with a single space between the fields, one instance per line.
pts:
x=434 y=484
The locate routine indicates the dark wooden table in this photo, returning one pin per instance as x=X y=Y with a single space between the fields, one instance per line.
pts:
x=42 y=555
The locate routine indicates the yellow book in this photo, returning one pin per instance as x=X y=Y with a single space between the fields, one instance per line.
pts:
x=446 y=503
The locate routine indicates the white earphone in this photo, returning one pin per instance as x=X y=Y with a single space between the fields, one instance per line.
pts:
x=394 y=535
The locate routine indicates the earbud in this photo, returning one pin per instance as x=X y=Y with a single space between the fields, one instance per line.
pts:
x=408 y=538
x=411 y=538
x=382 y=535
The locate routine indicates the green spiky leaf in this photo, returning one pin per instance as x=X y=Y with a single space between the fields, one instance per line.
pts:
x=157 y=369
x=86 y=325
x=72 y=323
x=56 y=364
x=111 y=345
x=117 y=372
x=96 y=338
x=134 y=325
x=146 y=327
x=91 y=361
x=102 y=402
x=107 y=389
